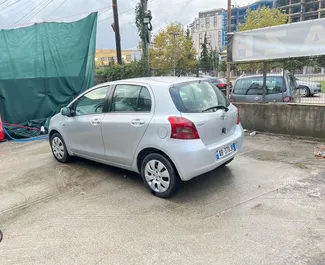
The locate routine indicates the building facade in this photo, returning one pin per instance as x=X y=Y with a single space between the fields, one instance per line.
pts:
x=238 y=14
x=213 y=24
x=105 y=56
x=302 y=10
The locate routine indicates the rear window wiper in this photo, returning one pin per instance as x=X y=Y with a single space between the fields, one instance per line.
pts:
x=216 y=107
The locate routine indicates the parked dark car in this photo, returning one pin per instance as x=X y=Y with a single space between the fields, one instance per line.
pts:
x=221 y=83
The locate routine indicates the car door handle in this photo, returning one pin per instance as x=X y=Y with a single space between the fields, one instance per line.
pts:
x=137 y=122
x=95 y=122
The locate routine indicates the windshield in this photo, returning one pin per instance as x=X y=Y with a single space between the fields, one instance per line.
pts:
x=254 y=85
x=197 y=97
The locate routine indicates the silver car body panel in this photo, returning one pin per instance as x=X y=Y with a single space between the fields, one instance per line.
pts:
x=314 y=87
x=118 y=138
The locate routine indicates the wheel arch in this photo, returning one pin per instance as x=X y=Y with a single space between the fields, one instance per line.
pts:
x=53 y=131
x=150 y=150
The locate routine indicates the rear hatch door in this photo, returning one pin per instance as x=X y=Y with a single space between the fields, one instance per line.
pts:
x=207 y=107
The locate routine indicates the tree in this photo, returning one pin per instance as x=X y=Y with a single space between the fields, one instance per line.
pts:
x=162 y=55
x=222 y=66
x=205 y=59
x=262 y=18
x=214 y=59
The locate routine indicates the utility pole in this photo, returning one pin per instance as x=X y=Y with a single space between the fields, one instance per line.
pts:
x=146 y=29
x=144 y=4
x=174 y=60
x=228 y=32
x=117 y=32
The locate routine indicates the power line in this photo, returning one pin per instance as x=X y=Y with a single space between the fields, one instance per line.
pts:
x=11 y=3
x=3 y=2
x=126 y=11
x=58 y=18
x=40 y=10
x=15 y=8
x=41 y=5
x=53 y=11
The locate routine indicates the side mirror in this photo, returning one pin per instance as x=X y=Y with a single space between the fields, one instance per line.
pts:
x=66 y=112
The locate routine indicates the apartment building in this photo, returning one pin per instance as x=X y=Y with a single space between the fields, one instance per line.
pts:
x=105 y=56
x=301 y=10
x=238 y=13
x=214 y=24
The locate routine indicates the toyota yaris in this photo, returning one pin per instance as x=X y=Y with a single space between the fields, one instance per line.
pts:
x=165 y=128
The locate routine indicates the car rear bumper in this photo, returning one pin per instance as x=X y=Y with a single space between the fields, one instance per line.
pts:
x=192 y=158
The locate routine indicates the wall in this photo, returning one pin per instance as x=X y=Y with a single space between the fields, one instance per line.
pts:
x=293 y=119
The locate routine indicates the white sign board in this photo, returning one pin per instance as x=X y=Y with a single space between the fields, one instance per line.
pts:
x=290 y=40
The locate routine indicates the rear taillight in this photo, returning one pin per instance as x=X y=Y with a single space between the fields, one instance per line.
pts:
x=183 y=128
x=238 y=117
x=286 y=99
x=231 y=99
x=221 y=86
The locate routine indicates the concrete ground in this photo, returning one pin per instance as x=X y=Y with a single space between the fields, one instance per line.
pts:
x=316 y=99
x=266 y=207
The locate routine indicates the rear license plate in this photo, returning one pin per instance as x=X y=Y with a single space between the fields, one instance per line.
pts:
x=226 y=151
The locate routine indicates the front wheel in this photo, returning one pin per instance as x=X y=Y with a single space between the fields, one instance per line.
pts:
x=304 y=91
x=159 y=175
x=59 y=148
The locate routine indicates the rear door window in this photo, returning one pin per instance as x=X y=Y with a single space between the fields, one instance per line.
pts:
x=254 y=85
x=131 y=98
x=195 y=97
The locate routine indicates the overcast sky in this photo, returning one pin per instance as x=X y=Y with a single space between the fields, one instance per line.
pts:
x=17 y=13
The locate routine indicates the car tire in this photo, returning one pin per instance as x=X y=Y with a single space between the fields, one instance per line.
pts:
x=59 y=149
x=159 y=175
x=304 y=91
x=225 y=164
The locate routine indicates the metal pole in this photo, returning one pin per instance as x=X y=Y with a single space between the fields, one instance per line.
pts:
x=228 y=31
x=117 y=32
x=264 y=79
x=174 y=55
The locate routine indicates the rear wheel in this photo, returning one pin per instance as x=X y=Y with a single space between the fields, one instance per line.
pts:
x=159 y=175
x=59 y=148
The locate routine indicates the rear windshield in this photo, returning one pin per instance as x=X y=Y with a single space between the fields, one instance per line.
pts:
x=195 y=97
x=254 y=85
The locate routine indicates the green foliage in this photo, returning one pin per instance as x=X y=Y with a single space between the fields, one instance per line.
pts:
x=100 y=71
x=162 y=55
x=139 y=14
x=205 y=60
x=264 y=17
x=125 y=71
x=214 y=59
x=222 y=66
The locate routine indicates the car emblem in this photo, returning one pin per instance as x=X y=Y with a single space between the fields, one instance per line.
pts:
x=223 y=116
x=224 y=130
x=257 y=98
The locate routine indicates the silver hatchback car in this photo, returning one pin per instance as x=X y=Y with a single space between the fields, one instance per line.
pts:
x=165 y=128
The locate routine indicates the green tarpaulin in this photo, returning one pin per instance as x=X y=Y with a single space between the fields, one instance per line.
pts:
x=43 y=67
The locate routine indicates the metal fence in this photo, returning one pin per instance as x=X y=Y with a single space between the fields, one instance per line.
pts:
x=309 y=81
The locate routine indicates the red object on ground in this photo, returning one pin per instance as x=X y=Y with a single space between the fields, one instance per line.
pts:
x=2 y=133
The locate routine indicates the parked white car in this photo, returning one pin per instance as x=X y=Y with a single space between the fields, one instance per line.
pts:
x=308 y=88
